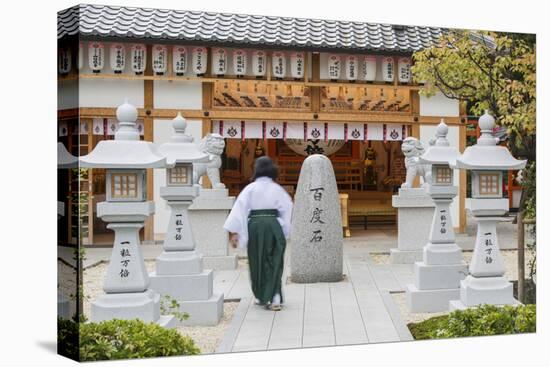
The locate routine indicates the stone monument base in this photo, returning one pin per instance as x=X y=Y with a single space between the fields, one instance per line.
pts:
x=180 y=275
x=432 y=300
x=435 y=286
x=128 y=306
x=489 y=290
x=415 y=210
x=207 y=215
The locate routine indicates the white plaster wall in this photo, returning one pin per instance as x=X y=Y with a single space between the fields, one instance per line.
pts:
x=438 y=105
x=67 y=94
x=181 y=95
x=427 y=132
x=162 y=131
x=110 y=92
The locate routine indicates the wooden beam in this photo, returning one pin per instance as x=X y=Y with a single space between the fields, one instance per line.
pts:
x=148 y=134
x=207 y=95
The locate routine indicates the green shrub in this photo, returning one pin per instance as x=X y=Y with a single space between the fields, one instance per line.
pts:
x=122 y=339
x=67 y=338
x=483 y=320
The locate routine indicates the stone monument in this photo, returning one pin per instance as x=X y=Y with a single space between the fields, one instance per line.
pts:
x=437 y=277
x=211 y=208
x=179 y=268
x=414 y=207
x=126 y=158
x=316 y=235
x=487 y=161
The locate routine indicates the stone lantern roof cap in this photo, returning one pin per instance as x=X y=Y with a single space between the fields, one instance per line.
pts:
x=486 y=154
x=126 y=150
x=441 y=152
x=181 y=148
x=64 y=158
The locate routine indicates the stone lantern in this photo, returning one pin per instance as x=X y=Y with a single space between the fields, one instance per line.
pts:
x=487 y=161
x=179 y=268
x=438 y=275
x=126 y=159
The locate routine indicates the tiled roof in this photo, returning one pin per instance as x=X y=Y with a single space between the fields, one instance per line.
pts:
x=238 y=29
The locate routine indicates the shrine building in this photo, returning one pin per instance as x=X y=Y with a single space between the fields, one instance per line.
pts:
x=283 y=87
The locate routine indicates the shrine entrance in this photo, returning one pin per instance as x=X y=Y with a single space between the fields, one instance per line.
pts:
x=368 y=172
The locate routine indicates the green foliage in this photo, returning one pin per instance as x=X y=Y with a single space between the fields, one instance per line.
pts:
x=120 y=339
x=67 y=338
x=489 y=70
x=171 y=306
x=483 y=320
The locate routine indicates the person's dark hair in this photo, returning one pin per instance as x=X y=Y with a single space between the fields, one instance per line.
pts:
x=264 y=167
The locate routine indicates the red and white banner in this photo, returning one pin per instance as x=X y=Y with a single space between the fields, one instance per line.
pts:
x=98 y=127
x=112 y=126
x=312 y=130
x=140 y=126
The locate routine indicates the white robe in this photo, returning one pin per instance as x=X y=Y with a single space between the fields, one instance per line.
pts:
x=263 y=193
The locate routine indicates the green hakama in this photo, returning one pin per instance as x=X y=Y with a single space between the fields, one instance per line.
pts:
x=266 y=249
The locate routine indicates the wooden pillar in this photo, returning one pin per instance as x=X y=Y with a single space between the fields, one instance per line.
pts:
x=148 y=105
x=462 y=183
x=207 y=96
x=315 y=92
x=415 y=133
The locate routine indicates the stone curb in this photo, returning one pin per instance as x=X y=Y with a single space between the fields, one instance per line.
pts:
x=230 y=336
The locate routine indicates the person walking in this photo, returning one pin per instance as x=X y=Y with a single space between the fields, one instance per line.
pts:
x=260 y=222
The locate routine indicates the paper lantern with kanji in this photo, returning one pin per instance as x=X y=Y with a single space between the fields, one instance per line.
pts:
x=96 y=56
x=179 y=60
x=117 y=57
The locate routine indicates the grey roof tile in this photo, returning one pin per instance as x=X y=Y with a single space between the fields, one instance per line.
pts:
x=240 y=29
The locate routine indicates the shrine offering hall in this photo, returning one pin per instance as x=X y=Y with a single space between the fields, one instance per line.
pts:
x=281 y=87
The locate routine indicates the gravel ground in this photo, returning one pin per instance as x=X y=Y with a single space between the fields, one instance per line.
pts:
x=510 y=263
x=206 y=338
x=510 y=258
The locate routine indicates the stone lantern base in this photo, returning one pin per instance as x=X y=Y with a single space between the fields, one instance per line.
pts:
x=484 y=290
x=207 y=215
x=180 y=275
x=128 y=306
x=415 y=211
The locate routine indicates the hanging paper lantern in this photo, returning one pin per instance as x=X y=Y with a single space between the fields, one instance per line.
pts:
x=160 y=55
x=352 y=67
x=388 y=69
x=80 y=55
x=239 y=62
x=219 y=61
x=369 y=68
x=334 y=66
x=404 y=69
x=64 y=61
x=179 y=60
x=118 y=57
x=278 y=61
x=200 y=57
x=258 y=63
x=139 y=58
x=297 y=62
x=96 y=56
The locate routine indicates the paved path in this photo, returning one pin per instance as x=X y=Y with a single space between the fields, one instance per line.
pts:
x=357 y=310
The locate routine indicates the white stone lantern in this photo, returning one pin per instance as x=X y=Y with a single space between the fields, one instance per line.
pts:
x=126 y=159
x=179 y=268
x=487 y=161
x=438 y=275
